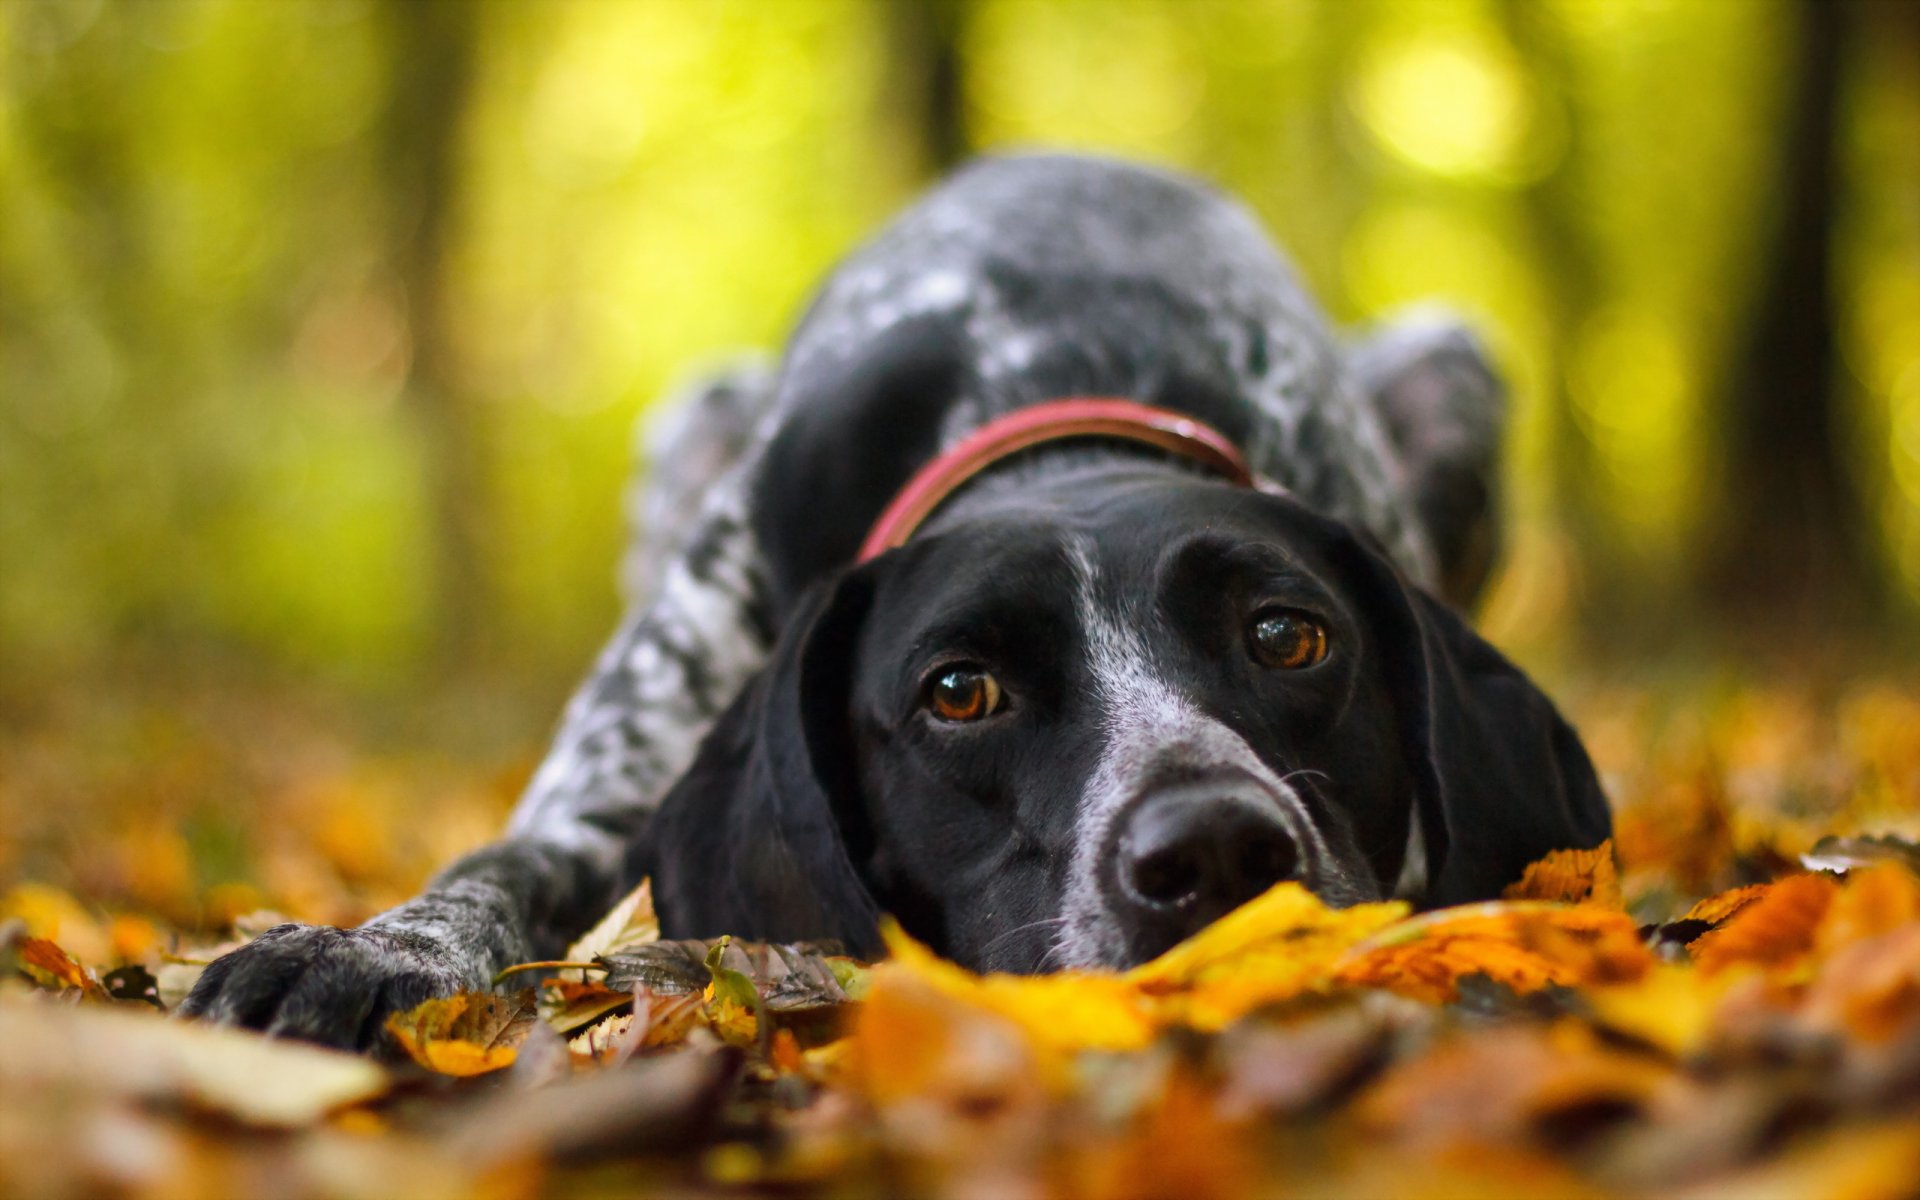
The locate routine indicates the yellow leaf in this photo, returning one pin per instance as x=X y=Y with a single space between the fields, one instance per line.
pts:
x=1279 y=945
x=1672 y=1007
x=1081 y=1010
x=1572 y=877
x=468 y=1034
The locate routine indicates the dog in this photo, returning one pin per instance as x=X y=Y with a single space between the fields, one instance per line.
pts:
x=1065 y=585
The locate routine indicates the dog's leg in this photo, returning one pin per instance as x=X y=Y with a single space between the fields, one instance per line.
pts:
x=691 y=438
x=1445 y=410
x=629 y=731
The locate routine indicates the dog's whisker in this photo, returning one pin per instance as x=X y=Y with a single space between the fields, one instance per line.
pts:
x=1017 y=930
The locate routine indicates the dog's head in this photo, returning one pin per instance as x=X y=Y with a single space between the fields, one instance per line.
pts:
x=1074 y=730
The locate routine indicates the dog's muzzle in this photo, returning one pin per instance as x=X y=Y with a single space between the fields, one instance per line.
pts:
x=1185 y=855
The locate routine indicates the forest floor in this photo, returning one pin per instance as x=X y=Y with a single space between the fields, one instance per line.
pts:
x=1723 y=1003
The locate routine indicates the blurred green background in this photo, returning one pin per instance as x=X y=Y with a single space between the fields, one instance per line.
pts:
x=324 y=325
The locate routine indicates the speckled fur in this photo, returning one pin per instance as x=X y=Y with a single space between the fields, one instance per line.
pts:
x=1052 y=276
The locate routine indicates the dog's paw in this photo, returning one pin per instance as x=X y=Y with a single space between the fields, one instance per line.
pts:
x=327 y=985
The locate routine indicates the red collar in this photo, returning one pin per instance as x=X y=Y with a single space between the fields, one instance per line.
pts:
x=1056 y=420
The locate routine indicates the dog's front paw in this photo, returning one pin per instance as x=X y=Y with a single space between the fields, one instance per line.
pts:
x=327 y=985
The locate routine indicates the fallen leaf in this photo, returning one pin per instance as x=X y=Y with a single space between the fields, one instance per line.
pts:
x=51 y=966
x=1523 y=945
x=1874 y=900
x=609 y=1043
x=1671 y=1007
x=114 y=1051
x=1775 y=931
x=1062 y=1013
x=1272 y=948
x=1847 y=853
x=467 y=1034
x=1546 y=1087
x=1571 y=877
x=732 y=1001
x=567 y=1007
x=632 y=922
x=1870 y=989
x=1720 y=907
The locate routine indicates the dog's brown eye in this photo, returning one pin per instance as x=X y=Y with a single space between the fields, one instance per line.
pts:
x=963 y=694
x=1288 y=639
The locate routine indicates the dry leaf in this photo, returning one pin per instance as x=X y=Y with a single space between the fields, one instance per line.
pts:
x=609 y=1043
x=468 y=1034
x=1874 y=900
x=1718 y=908
x=1523 y=1085
x=1775 y=931
x=130 y=1052
x=1572 y=877
x=567 y=1007
x=54 y=967
x=632 y=922
x=1274 y=947
x=1084 y=1010
x=1524 y=945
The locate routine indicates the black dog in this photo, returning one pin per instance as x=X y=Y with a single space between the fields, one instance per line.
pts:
x=1111 y=687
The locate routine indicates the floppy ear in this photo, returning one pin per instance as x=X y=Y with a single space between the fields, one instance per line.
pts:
x=749 y=842
x=1501 y=779
x=1444 y=406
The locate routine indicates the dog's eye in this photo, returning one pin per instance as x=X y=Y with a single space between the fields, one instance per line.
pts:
x=1287 y=638
x=963 y=694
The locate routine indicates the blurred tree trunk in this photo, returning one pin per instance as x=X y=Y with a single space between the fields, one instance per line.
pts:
x=925 y=89
x=1791 y=544
x=1561 y=244
x=433 y=45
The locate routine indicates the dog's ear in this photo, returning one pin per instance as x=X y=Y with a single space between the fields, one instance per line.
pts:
x=1500 y=778
x=750 y=841
x=1444 y=404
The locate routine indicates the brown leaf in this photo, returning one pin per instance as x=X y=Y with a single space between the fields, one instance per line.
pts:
x=468 y=1034
x=1571 y=877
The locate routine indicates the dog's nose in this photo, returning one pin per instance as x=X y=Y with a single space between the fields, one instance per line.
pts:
x=1192 y=853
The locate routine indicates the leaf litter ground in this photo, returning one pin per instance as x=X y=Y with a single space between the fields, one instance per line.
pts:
x=1725 y=1002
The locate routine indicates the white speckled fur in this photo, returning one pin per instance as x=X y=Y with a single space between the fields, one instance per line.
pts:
x=1150 y=728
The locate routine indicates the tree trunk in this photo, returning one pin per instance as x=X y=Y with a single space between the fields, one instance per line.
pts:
x=925 y=86
x=1792 y=544
x=433 y=44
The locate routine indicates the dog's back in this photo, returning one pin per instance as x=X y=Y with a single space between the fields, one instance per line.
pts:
x=1029 y=278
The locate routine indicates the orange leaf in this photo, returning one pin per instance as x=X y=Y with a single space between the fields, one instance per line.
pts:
x=46 y=958
x=1573 y=877
x=1875 y=900
x=1716 y=909
x=1775 y=931
x=1870 y=989
x=1522 y=944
